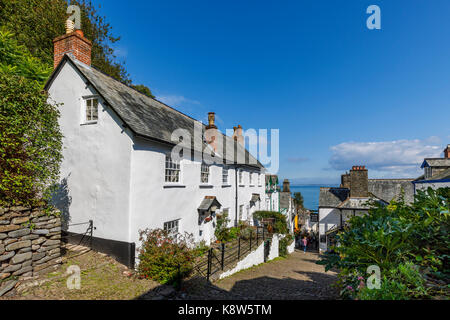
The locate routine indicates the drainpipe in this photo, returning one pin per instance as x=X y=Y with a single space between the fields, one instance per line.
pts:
x=236 y=197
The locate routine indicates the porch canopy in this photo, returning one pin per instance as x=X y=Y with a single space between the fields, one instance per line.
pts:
x=209 y=204
x=255 y=198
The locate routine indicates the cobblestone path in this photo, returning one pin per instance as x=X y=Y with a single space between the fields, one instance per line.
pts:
x=296 y=277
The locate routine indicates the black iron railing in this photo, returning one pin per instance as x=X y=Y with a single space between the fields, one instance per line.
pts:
x=219 y=258
x=88 y=234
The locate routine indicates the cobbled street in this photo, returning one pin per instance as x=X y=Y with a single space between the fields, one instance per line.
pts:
x=297 y=277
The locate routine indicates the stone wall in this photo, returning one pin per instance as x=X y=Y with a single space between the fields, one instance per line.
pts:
x=30 y=244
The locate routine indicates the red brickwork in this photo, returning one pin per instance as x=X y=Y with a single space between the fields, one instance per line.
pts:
x=75 y=44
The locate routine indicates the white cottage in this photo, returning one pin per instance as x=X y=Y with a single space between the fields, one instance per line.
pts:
x=119 y=170
x=436 y=173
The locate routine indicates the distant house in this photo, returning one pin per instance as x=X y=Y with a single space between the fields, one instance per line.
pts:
x=272 y=193
x=118 y=169
x=436 y=172
x=287 y=206
x=338 y=205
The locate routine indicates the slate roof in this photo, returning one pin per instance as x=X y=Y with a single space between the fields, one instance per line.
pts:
x=255 y=198
x=147 y=117
x=439 y=176
x=436 y=162
x=388 y=189
x=358 y=203
x=208 y=202
x=332 y=197
x=285 y=198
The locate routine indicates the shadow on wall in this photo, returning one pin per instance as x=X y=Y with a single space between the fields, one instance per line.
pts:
x=62 y=201
x=333 y=219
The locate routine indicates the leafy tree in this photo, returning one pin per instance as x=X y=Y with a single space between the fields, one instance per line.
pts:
x=16 y=60
x=144 y=90
x=298 y=200
x=37 y=22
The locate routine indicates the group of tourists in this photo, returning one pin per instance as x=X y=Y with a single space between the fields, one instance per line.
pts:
x=307 y=240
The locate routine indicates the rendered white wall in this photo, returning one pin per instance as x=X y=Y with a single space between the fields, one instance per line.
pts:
x=252 y=259
x=328 y=218
x=154 y=202
x=291 y=247
x=96 y=162
x=274 y=253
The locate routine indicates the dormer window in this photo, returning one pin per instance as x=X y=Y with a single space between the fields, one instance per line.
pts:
x=91 y=110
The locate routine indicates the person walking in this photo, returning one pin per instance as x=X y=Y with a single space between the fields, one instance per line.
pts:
x=305 y=243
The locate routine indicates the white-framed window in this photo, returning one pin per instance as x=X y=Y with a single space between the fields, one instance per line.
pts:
x=91 y=110
x=241 y=179
x=241 y=211
x=427 y=172
x=259 y=179
x=171 y=226
x=250 y=176
x=224 y=175
x=172 y=169
x=204 y=173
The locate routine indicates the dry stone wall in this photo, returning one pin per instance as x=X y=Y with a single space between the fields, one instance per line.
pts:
x=30 y=244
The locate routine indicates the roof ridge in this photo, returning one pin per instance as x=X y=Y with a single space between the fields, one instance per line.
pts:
x=129 y=86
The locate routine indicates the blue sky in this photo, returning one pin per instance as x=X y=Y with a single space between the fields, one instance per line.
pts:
x=339 y=93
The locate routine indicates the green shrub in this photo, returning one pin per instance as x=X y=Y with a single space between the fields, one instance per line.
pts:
x=30 y=141
x=165 y=258
x=222 y=232
x=279 y=225
x=393 y=237
x=401 y=283
x=283 y=244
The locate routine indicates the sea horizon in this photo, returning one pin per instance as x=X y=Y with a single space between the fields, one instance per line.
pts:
x=310 y=193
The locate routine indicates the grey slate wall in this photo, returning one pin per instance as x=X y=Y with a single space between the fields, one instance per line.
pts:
x=30 y=244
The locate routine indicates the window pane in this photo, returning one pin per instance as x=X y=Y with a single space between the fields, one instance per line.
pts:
x=94 y=109
x=172 y=173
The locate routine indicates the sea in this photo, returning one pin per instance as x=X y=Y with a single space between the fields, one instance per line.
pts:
x=310 y=194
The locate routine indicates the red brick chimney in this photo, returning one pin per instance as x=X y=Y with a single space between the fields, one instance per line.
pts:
x=237 y=135
x=74 y=44
x=211 y=133
x=447 y=152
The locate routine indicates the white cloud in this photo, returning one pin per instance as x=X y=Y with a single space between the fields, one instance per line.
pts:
x=398 y=158
x=176 y=100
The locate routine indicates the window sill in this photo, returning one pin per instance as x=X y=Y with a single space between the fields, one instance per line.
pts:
x=241 y=185
x=173 y=185
x=206 y=185
x=226 y=185
x=88 y=123
x=251 y=185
